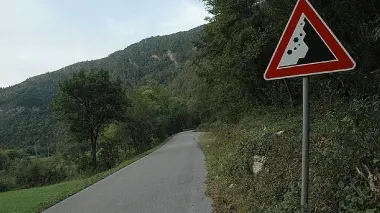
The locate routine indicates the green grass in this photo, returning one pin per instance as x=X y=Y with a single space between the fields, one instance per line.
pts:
x=38 y=199
x=337 y=146
x=229 y=150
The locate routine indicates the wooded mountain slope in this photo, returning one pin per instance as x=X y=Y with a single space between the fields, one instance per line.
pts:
x=26 y=119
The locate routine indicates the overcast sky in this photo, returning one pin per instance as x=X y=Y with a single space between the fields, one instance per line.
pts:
x=37 y=36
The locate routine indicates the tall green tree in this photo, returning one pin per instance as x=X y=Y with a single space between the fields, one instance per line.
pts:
x=154 y=114
x=87 y=102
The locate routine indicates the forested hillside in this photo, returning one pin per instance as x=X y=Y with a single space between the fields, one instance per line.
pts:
x=26 y=118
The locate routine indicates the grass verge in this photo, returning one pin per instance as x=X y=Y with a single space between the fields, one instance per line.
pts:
x=229 y=152
x=40 y=198
x=206 y=140
x=344 y=146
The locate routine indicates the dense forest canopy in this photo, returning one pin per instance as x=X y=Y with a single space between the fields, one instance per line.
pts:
x=241 y=38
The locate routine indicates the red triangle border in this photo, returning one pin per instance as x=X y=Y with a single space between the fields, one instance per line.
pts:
x=344 y=61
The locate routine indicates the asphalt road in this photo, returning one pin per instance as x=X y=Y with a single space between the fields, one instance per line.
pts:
x=170 y=179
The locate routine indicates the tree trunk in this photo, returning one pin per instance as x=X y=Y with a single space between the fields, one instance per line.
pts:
x=35 y=150
x=94 y=139
x=289 y=93
x=93 y=153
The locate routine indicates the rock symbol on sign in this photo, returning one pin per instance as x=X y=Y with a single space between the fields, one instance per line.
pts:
x=307 y=47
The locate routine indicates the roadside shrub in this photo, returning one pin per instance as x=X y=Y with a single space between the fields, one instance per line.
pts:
x=352 y=155
x=108 y=154
x=79 y=156
x=39 y=172
x=16 y=154
x=3 y=160
x=21 y=171
x=65 y=168
x=6 y=181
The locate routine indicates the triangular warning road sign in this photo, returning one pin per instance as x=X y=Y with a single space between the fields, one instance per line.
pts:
x=307 y=47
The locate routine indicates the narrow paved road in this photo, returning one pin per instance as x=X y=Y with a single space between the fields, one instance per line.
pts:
x=170 y=179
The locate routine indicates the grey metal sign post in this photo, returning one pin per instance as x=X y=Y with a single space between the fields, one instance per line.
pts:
x=305 y=145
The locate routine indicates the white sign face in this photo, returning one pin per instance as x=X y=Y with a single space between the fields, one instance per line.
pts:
x=297 y=47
